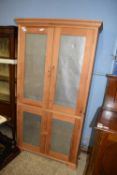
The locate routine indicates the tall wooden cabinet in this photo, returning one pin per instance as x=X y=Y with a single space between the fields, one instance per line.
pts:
x=8 y=48
x=8 y=59
x=55 y=62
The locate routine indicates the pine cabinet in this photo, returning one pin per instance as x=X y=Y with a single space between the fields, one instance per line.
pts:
x=55 y=62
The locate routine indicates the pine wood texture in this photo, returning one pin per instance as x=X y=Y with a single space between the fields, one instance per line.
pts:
x=34 y=22
x=54 y=29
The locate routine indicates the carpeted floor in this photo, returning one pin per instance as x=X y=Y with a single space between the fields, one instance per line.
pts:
x=30 y=164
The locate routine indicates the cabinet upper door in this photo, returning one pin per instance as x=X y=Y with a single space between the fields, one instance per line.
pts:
x=73 y=56
x=35 y=61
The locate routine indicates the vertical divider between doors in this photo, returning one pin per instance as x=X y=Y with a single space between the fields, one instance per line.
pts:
x=49 y=128
x=54 y=65
x=48 y=65
x=43 y=133
x=47 y=86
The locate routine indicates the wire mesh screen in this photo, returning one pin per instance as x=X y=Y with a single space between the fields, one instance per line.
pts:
x=61 y=136
x=31 y=128
x=71 y=55
x=34 y=66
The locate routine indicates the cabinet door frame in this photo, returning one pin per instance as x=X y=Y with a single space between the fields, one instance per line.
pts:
x=37 y=111
x=87 y=66
x=75 y=139
x=21 y=62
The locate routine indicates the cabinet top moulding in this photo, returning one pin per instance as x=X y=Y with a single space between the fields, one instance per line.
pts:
x=60 y=22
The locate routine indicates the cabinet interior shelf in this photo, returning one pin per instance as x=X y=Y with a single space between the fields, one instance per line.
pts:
x=4 y=78
x=4 y=97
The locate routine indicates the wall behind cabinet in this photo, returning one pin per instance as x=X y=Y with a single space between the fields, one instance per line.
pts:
x=104 y=10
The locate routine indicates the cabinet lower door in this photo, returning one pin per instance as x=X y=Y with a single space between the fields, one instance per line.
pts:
x=61 y=130
x=30 y=128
